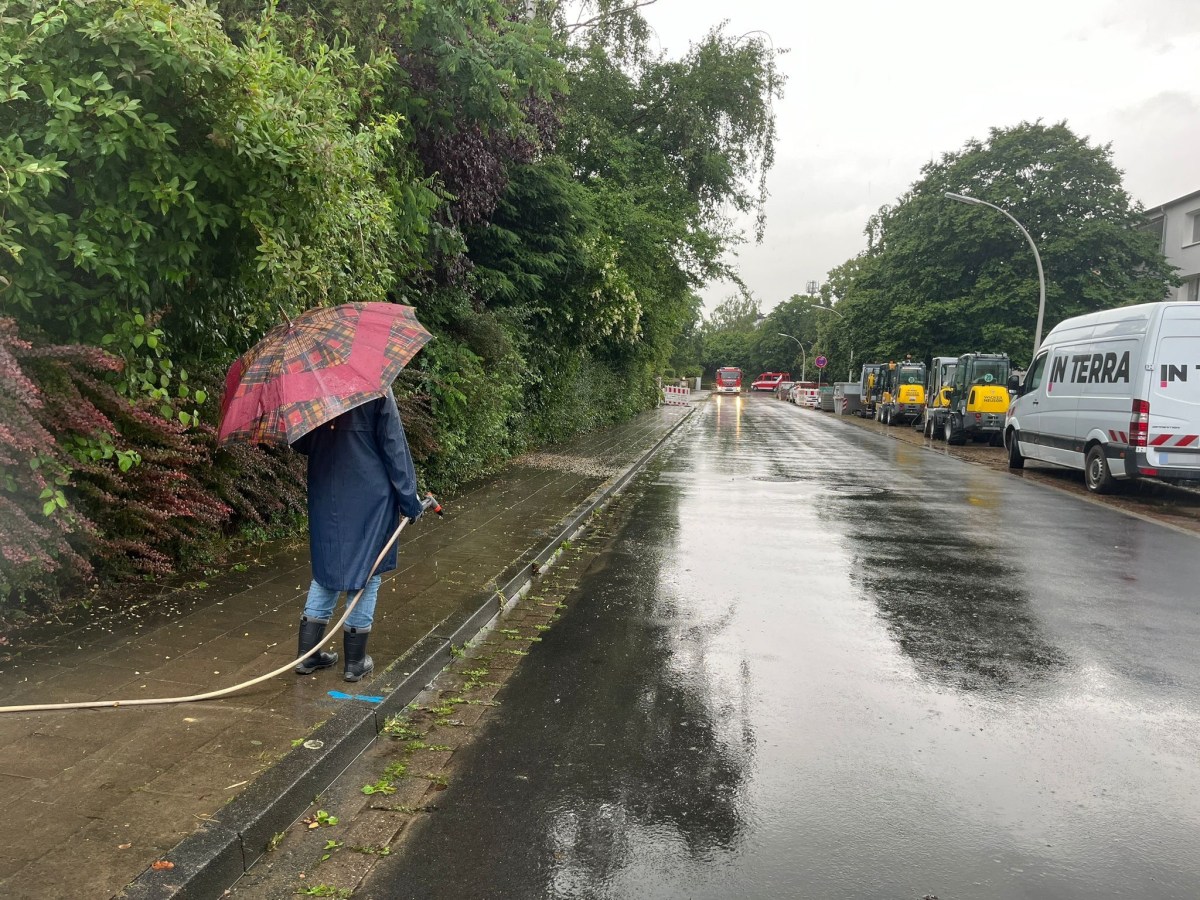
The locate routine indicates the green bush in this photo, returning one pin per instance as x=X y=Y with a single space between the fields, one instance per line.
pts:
x=153 y=166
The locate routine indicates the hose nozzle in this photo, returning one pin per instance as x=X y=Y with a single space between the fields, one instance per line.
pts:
x=430 y=502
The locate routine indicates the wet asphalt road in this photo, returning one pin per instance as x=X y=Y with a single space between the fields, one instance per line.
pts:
x=821 y=663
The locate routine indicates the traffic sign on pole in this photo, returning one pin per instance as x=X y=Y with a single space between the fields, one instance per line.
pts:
x=821 y=362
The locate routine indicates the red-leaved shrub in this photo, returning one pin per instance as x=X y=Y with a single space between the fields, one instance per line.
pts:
x=36 y=549
x=57 y=409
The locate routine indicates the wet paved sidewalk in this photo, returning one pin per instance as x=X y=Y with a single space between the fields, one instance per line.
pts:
x=95 y=796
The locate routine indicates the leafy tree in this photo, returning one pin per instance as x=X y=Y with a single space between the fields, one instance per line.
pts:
x=156 y=167
x=727 y=336
x=737 y=313
x=942 y=277
x=667 y=148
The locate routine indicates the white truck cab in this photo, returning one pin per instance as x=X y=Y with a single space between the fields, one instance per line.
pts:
x=1115 y=394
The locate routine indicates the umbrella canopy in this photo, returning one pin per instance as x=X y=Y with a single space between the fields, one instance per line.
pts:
x=314 y=368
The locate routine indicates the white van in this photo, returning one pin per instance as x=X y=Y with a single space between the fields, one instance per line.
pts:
x=1116 y=394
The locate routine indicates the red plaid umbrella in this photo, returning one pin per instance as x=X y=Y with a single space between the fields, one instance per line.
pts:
x=314 y=368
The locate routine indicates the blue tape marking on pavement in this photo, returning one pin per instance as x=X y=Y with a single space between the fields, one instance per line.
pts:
x=366 y=698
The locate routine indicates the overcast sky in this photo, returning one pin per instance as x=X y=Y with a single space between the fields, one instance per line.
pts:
x=876 y=88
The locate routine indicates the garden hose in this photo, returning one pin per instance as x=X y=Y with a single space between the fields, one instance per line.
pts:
x=428 y=503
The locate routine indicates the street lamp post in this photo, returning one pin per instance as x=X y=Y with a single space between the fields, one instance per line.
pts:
x=1037 y=335
x=803 y=355
x=827 y=309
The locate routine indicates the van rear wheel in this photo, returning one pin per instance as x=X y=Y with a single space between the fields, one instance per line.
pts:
x=1096 y=473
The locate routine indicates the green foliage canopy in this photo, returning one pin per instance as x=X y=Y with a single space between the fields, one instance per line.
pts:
x=154 y=166
x=942 y=277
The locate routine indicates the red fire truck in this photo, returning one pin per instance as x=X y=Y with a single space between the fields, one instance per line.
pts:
x=728 y=380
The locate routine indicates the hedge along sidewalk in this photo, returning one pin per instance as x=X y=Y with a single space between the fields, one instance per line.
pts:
x=103 y=794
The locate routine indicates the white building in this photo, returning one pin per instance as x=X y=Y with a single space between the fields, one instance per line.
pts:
x=1177 y=226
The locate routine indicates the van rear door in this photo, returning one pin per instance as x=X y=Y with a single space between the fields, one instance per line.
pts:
x=1174 y=433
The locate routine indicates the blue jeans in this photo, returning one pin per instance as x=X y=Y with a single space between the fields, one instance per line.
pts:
x=321 y=601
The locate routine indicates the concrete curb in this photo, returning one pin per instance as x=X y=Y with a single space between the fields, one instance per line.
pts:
x=212 y=858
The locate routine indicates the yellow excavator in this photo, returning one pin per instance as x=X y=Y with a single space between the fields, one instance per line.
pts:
x=979 y=399
x=937 y=395
x=903 y=393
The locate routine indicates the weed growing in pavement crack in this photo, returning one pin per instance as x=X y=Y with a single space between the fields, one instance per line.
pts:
x=400 y=727
x=321 y=819
x=474 y=678
x=382 y=786
x=442 y=709
x=387 y=781
x=373 y=851
x=324 y=890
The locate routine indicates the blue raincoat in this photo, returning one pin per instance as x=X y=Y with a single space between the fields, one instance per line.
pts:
x=360 y=481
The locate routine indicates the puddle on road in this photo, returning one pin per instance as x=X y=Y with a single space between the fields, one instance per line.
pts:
x=858 y=491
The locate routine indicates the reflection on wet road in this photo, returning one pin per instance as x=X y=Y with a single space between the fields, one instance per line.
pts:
x=821 y=663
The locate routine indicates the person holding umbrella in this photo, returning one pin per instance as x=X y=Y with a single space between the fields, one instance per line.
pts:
x=322 y=385
x=360 y=481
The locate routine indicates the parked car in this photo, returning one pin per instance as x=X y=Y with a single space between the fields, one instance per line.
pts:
x=768 y=381
x=781 y=389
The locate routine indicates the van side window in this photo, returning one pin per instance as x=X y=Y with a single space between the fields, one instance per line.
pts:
x=1034 y=379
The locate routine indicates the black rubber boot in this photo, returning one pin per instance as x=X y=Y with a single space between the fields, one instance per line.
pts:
x=311 y=632
x=358 y=664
